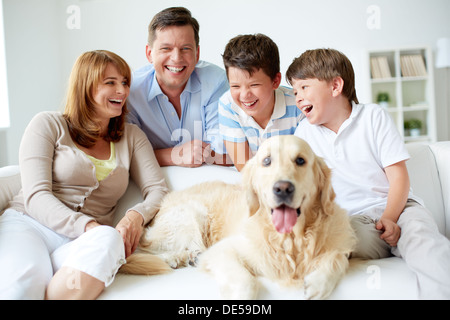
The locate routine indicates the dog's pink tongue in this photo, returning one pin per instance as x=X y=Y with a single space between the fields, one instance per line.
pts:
x=284 y=219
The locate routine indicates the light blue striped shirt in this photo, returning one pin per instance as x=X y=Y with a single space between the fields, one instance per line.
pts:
x=152 y=111
x=236 y=126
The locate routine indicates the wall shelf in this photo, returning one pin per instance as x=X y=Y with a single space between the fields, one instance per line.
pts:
x=406 y=75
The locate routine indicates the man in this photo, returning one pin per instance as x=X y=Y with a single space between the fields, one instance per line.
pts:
x=174 y=99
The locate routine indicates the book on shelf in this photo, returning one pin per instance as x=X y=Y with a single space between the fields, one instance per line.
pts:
x=413 y=65
x=379 y=67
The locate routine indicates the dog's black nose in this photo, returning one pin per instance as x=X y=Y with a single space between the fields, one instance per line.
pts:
x=284 y=190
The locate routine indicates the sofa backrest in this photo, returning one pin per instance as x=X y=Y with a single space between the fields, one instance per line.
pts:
x=429 y=171
x=179 y=178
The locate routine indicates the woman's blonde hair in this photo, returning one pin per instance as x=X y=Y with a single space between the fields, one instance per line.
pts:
x=87 y=73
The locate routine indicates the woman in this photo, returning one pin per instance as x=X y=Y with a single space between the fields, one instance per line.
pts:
x=75 y=167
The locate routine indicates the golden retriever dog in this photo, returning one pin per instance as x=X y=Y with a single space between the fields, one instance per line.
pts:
x=281 y=223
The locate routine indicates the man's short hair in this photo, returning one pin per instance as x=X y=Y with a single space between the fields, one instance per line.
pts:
x=174 y=16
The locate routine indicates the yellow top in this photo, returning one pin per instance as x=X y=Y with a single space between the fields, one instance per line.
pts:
x=104 y=167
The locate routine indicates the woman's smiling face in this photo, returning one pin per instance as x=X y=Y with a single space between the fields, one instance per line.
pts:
x=111 y=93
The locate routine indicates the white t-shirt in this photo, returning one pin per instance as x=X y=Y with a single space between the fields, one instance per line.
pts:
x=366 y=143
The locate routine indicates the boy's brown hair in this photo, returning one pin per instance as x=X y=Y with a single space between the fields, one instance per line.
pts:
x=251 y=53
x=324 y=65
x=174 y=16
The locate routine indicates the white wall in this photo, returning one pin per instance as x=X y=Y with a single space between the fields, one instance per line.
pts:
x=32 y=40
x=40 y=48
x=4 y=110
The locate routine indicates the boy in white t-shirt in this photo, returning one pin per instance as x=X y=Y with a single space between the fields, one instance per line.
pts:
x=256 y=107
x=368 y=159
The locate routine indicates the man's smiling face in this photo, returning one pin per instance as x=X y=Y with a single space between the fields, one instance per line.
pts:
x=174 y=54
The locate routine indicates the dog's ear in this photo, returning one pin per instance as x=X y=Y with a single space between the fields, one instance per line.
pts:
x=247 y=183
x=325 y=188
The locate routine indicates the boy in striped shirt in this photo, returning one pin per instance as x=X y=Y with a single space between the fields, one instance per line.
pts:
x=256 y=107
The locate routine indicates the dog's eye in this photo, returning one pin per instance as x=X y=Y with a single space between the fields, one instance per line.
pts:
x=267 y=161
x=300 y=161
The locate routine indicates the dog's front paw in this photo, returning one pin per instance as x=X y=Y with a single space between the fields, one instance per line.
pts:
x=318 y=285
x=194 y=258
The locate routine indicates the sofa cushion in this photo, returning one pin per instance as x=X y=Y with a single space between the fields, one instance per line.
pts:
x=388 y=278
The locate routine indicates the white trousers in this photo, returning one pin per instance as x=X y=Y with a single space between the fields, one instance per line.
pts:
x=424 y=249
x=31 y=253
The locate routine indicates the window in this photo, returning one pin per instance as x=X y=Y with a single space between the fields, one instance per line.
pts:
x=4 y=107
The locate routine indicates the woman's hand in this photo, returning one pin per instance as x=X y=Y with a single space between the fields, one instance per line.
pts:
x=130 y=227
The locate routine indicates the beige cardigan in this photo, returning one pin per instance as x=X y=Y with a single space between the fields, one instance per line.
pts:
x=59 y=186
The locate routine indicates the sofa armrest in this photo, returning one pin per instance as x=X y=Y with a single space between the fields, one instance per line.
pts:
x=425 y=181
x=441 y=151
x=10 y=184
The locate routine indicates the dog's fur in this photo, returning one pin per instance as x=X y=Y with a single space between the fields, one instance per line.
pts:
x=237 y=224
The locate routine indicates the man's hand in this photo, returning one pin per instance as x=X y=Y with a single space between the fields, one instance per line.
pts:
x=191 y=154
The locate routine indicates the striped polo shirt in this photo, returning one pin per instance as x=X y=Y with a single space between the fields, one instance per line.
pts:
x=236 y=126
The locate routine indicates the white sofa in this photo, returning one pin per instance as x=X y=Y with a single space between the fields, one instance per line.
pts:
x=429 y=169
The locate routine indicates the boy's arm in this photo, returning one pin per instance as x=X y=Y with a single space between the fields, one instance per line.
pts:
x=398 y=177
x=239 y=153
